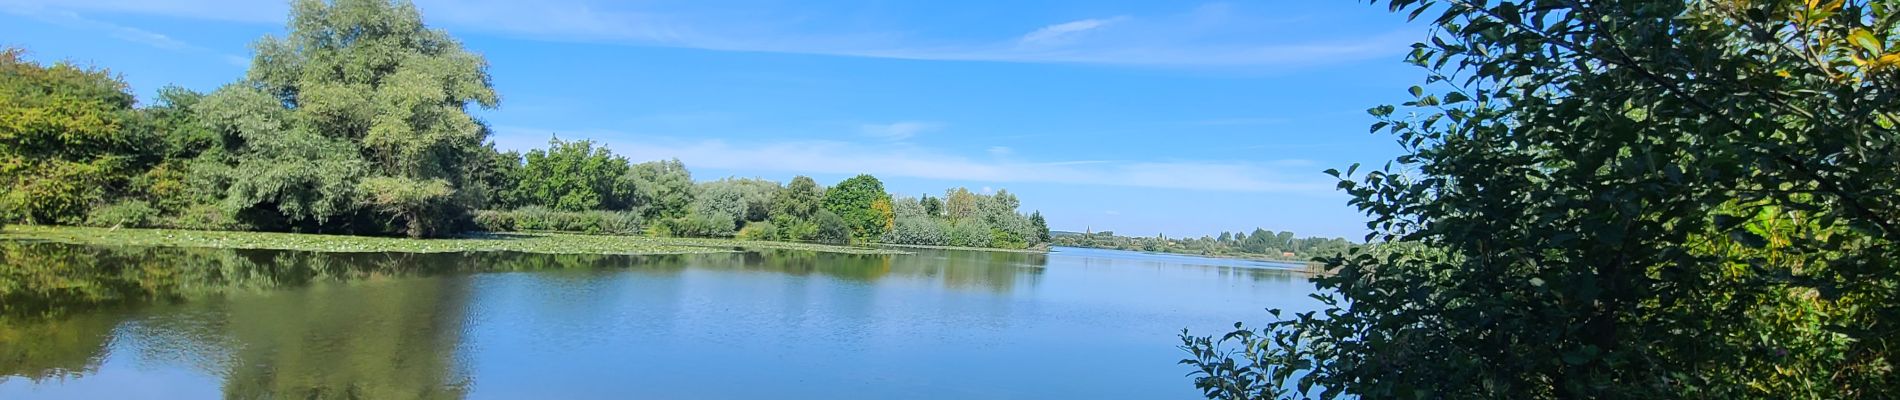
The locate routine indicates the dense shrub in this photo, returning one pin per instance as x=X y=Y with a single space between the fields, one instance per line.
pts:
x=125 y=214
x=745 y=199
x=204 y=217
x=1619 y=200
x=494 y=221
x=64 y=138
x=761 y=230
x=536 y=218
x=919 y=230
x=969 y=233
x=699 y=225
x=832 y=229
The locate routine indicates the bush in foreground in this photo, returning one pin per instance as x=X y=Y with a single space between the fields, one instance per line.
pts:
x=1616 y=199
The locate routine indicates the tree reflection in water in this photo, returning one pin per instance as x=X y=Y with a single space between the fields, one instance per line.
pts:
x=271 y=323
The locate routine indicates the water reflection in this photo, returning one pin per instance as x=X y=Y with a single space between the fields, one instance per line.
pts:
x=279 y=324
x=391 y=338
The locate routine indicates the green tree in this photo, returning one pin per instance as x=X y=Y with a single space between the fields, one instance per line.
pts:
x=960 y=204
x=178 y=127
x=662 y=189
x=64 y=138
x=800 y=199
x=575 y=176
x=494 y=176
x=918 y=230
x=1616 y=199
x=356 y=83
x=830 y=229
x=295 y=180
x=864 y=206
x=1040 y=226
x=408 y=201
x=745 y=199
x=932 y=206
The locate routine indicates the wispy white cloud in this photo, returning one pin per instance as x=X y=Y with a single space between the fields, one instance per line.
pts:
x=901 y=160
x=1064 y=32
x=902 y=130
x=1211 y=35
x=73 y=19
x=222 y=10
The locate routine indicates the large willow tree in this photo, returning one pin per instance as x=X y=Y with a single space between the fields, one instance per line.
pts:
x=358 y=117
x=1616 y=199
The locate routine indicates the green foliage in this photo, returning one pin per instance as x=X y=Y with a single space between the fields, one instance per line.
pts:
x=863 y=204
x=492 y=179
x=700 y=225
x=1263 y=244
x=969 y=233
x=746 y=200
x=1616 y=199
x=1040 y=227
x=64 y=138
x=419 y=208
x=988 y=221
x=830 y=229
x=919 y=230
x=207 y=217
x=295 y=179
x=543 y=219
x=575 y=176
x=494 y=221
x=760 y=230
x=960 y=204
x=54 y=191
x=356 y=121
x=662 y=189
x=540 y=243
x=124 y=214
x=371 y=72
x=932 y=206
x=800 y=199
x=358 y=90
x=173 y=120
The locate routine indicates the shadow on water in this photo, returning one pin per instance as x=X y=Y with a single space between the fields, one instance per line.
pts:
x=271 y=324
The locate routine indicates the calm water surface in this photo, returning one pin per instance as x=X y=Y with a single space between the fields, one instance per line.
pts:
x=97 y=322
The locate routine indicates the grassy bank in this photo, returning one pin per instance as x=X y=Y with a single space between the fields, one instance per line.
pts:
x=919 y=246
x=547 y=243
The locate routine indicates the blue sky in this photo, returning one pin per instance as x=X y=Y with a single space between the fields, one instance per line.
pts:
x=1147 y=117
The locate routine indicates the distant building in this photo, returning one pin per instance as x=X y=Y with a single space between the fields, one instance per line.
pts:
x=1286 y=254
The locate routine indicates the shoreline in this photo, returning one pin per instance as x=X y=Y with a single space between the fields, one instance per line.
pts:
x=995 y=249
x=538 y=242
x=1231 y=257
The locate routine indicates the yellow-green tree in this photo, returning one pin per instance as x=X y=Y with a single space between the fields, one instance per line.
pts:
x=864 y=206
x=64 y=142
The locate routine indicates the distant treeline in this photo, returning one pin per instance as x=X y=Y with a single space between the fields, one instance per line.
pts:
x=357 y=122
x=578 y=186
x=1259 y=244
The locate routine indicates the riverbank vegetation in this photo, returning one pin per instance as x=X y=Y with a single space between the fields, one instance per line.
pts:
x=1615 y=199
x=1261 y=244
x=540 y=243
x=357 y=122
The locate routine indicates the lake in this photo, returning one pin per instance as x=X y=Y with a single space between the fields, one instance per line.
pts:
x=84 y=322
